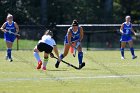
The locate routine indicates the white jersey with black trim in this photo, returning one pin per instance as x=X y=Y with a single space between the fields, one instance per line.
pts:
x=48 y=40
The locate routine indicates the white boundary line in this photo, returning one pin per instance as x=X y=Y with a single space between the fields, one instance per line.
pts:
x=66 y=78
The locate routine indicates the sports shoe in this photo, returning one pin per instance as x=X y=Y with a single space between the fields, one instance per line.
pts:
x=134 y=57
x=39 y=65
x=44 y=68
x=10 y=60
x=81 y=65
x=122 y=58
x=57 y=64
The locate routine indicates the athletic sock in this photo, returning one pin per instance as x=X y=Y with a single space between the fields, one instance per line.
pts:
x=80 y=57
x=61 y=56
x=36 y=55
x=9 y=53
x=132 y=51
x=122 y=52
x=45 y=61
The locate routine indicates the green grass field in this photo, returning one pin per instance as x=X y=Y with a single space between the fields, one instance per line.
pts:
x=104 y=72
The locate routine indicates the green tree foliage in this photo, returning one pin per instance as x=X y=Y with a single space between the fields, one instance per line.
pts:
x=126 y=7
x=24 y=11
x=64 y=11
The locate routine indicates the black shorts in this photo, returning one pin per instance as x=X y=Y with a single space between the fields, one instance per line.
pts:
x=44 y=47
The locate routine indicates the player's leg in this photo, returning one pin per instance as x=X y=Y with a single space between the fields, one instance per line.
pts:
x=66 y=50
x=123 y=44
x=9 y=50
x=80 y=57
x=132 y=49
x=45 y=61
x=36 y=55
x=9 y=43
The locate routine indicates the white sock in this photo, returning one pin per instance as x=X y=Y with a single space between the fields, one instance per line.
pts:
x=36 y=55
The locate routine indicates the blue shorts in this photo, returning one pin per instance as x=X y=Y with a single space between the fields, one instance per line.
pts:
x=72 y=40
x=9 y=37
x=125 y=38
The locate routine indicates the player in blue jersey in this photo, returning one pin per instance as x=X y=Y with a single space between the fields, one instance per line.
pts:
x=74 y=35
x=126 y=30
x=9 y=27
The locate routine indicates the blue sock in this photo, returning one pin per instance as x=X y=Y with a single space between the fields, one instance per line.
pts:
x=9 y=53
x=122 y=52
x=36 y=55
x=61 y=56
x=132 y=51
x=80 y=57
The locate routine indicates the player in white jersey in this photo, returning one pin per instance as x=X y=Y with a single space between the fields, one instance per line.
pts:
x=46 y=45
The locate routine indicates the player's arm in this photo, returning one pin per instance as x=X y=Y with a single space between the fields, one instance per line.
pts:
x=121 y=28
x=17 y=27
x=56 y=51
x=81 y=34
x=133 y=30
x=3 y=27
x=69 y=36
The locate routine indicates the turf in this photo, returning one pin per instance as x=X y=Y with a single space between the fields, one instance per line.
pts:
x=104 y=72
x=23 y=44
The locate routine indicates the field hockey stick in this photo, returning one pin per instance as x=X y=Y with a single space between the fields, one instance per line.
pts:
x=120 y=32
x=75 y=48
x=52 y=56
x=13 y=33
x=137 y=34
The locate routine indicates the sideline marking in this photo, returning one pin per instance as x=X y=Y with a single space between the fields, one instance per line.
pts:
x=66 y=78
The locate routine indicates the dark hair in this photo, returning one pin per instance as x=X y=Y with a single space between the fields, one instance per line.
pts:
x=75 y=23
x=49 y=32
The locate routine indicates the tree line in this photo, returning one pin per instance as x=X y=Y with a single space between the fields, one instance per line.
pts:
x=45 y=12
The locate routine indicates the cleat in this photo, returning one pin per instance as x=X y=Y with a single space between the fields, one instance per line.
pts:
x=122 y=58
x=57 y=64
x=44 y=68
x=39 y=65
x=134 y=57
x=11 y=60
x=81 y=65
